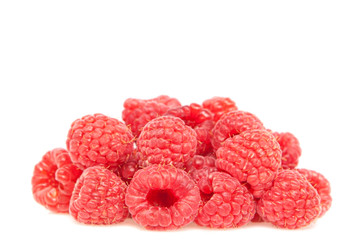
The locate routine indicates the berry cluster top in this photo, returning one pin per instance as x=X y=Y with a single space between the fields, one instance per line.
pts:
x=167 y=165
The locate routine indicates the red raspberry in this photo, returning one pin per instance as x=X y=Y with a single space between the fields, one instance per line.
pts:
x=291 y=203
x=99 y=140
x=322 y=186
x=233 y=123
x=290 y=148
x=225 y=202
x=161 y=197
x=167 y=140
x=99 y=197
x=199 y=162
x=138 y=112
x=219 y=106
x=253 y=157
x=54 y=179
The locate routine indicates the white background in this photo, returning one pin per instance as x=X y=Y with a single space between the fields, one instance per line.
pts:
x=294 y=64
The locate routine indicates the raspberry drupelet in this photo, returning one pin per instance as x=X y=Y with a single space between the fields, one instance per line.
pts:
x=53 y=180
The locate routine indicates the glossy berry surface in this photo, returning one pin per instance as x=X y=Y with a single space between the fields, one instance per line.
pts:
x=53 y=180
x=291 y=202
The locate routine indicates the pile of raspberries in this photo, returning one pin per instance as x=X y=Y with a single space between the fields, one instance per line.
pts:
x=168 y=165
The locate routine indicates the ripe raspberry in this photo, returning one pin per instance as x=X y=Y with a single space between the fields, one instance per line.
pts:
x=138 y=112
x=219 y=106
x=291 y=203
x=225 y=202
x=204 y=135
x=99 y=140
x=54 y=179
x=253 y=157
x=233 y=123
x=161 y=197
x=199 y=162
x=322 y=186
x=167 y=140
x=99 y=197
x=290 y=148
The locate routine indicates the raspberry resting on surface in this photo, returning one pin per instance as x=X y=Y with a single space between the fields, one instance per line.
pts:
x=99 y=140
x=169 y=165
x=225 y=202
x=233 y=123
x=253 y=157
x=162 y=197
x=322 y=186
x=291 y=202
x=53 y=180
x=99 y=197
x=167 y=140
x=219 y=106
x=290 y=148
